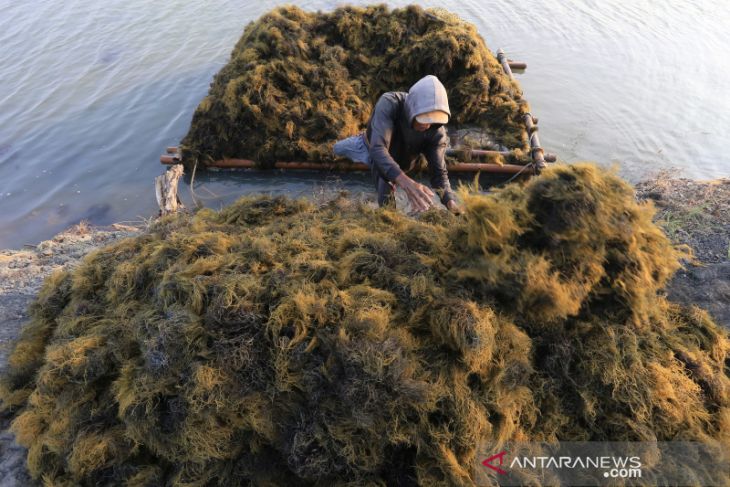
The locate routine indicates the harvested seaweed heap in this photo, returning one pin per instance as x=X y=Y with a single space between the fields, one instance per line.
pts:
x=297 y=81
x=278 y=343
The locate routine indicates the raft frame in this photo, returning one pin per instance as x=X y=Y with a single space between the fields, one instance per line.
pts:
x=538 y=156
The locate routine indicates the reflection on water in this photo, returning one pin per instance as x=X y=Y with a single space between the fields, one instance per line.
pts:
x=91 y=93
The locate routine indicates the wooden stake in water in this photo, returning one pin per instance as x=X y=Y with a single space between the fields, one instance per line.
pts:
x=166 y=190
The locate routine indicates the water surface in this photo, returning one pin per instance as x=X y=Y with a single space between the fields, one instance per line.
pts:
x=92 y=92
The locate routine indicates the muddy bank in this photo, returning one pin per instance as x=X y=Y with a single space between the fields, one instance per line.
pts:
x=696 y=214
x=23 y=271
x=21 y=275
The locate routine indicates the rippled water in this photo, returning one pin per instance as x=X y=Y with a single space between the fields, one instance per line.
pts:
x=92 y=92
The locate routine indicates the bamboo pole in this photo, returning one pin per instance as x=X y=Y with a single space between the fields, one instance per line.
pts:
x=351 y=166
x=505 y=64
x=173 y=158
x=449 y=152
x=536 y=151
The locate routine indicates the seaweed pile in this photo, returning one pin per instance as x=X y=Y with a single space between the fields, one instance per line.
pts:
x=280 y=343
x=297 y=81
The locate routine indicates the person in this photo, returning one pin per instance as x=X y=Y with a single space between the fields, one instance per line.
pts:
x=402 y=127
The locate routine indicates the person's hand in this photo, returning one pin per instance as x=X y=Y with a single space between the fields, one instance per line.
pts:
x=454 y=207
x=420 y=197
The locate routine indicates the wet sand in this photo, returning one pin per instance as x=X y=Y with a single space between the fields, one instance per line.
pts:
x=21 y=274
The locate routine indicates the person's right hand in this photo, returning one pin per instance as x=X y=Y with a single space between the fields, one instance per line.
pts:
x=420 y=197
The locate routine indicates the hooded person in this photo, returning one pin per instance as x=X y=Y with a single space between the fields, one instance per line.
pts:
x=402 y=127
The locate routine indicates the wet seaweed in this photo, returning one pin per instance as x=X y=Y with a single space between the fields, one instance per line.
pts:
x=278 y=342
x=297 y=81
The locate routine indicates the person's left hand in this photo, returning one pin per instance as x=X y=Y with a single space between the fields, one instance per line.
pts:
x=454 y=207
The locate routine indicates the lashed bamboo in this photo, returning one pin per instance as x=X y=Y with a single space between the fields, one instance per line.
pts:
x=172 y=157
x=350 y=166
x=536 y=151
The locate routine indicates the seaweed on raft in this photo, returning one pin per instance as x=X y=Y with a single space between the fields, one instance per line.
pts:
x=276 y=342
x=297 y=81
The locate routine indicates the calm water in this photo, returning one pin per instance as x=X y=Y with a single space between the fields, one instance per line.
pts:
x=92 y=92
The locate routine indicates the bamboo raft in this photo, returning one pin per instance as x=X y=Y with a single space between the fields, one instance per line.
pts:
x=166 y=185
x=537 y=154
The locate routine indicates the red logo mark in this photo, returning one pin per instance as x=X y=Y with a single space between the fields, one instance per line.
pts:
x=488 y=462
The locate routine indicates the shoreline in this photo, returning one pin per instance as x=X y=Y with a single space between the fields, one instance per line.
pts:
x=692 y=213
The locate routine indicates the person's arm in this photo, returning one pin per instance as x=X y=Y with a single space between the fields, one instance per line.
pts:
x=381 y=130
x=435 y=152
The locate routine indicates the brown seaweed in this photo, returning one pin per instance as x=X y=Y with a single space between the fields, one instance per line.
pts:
x=281 y=343
x=297 y=81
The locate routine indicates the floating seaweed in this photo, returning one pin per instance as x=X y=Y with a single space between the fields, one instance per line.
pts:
x=276 y=342
x=297 y=81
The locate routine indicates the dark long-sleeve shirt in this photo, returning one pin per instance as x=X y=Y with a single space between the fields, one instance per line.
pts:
x=394 y=144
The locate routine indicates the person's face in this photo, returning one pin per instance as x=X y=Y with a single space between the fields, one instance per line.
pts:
x=420 y=127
